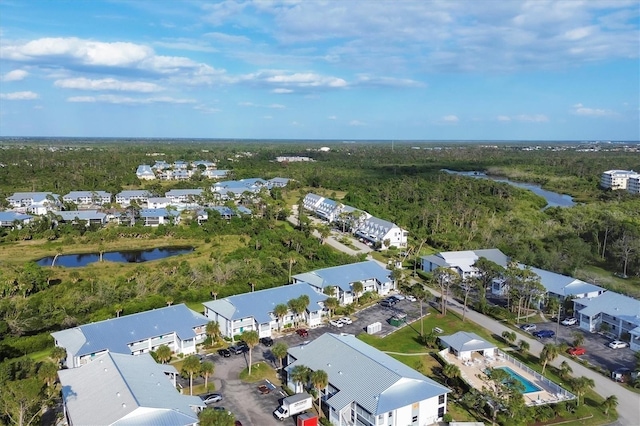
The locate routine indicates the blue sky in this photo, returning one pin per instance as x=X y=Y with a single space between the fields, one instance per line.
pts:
x=350 y=69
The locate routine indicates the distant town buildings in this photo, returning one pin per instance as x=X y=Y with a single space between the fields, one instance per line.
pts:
x=293 y=159
x=621 y=179
x=179 y=170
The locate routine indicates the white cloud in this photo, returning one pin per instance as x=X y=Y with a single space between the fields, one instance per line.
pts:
x=75 y=53
x=107 y=84
x=527 y=118
x=579 y=109
x=254 y=105
x=205 y=109
x=332 y=117
x=19 y=96
x=185 y=44
x=357 y=123
x=534 y=118
x=374 y=81
x=227 y=38
x=296 y=80
x=450 y=119
x=282 y=90
x=15 y=75
x=116 y=99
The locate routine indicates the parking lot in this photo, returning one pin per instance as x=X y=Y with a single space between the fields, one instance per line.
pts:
x=253 y=408
x=596 y=345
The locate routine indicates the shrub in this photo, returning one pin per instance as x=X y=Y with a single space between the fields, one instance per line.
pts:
x=447 y=418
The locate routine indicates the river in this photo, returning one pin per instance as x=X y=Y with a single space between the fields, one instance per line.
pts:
x=553 y=198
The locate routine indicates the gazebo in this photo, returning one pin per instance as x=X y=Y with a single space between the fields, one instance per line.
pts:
x=463 y=344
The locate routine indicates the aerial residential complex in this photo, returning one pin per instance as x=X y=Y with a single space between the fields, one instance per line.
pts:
x=179 y=170
x=621 y=179
x=369 y=229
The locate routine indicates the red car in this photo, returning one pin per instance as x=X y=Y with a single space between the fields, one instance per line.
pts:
x=577 y=351
x=302 y=332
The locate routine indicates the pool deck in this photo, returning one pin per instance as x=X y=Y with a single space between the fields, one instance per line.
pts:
x=472 y=371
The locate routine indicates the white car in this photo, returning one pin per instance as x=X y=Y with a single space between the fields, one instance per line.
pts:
x=398 y=296
x=528 y=327
x=346 y=320
x=336 y=323
x=411 y=298
x=618 y=344
x=569 y=321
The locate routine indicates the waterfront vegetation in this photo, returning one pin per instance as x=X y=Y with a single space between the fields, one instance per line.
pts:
x=593 y=241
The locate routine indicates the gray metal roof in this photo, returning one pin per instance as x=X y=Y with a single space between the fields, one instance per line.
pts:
x=343 y=276
x=69 y=215
x=133 y=193
x=83 y=194
x=563 y=285
x=116 y=333
x=158 y=213
x=464 y=341
x=35 y=196
x=259 y=304
x=180 y=192
x=361 y=373
x=115 y=386
x=464 y=259
x=11 y=216
x=614 y=304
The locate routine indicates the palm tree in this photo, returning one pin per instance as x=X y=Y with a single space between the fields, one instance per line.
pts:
x=331 y=304
x=609 y=403
x=565 y=370
x=300 y=375
x=251 y=338
x=524 y=345
x=357 y=288
x=549 y=353
x=280 y=350
x=280 y=311
x=320 y=380
x=450 y=371
x=509 y=336
x=578 y=338
x=48 y=372
x=580 y=386
x=191 y=366
x=213 y=330
x=206 y=371
x=163 y=354
x=58 y=353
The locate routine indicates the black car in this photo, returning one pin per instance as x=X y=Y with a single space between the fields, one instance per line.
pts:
x=236 y=350
x=388 y=302
x=267 y=341
x=224 y=353
x=243 y=345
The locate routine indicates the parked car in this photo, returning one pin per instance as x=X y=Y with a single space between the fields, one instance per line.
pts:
x=540 y=334
x=387 y=303
x=236 y=350
x=224 y=353
x=210 y=398
x=398 y=296
x=346 y=320
x=267 y=341
x=577 y=351
x=219 y=408
x=302 y=332
x=411 y=298
x=569 y=321
x=336 y=323
x=528 y=327
x=264 y=389
x=618 y=344
x=242 y=344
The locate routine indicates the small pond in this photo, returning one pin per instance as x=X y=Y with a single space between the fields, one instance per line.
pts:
x=129 y=256
x=553 y=198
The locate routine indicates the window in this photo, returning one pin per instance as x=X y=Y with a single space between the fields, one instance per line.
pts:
x=440 y=412
x=414 y=419
x=441 y=399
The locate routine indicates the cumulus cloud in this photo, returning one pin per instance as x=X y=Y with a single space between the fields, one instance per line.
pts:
x=579 y=109
x=116 y=99
x=15 y=75
x=19 y=96
x=75 y=53
x=450 y=119
x=107 y=84
x=374 y=81
x=281 y=90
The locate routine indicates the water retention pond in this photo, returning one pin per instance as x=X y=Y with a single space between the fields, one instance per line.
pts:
x=128 y=256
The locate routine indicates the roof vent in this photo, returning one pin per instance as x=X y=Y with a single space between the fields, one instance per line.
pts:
x=105 y=370
x=340 y=372
x=124 y=405
x=118 y=394
x=158 y=384
x=328 y=364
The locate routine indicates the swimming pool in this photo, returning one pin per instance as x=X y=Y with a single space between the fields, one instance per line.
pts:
x=528 y=386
